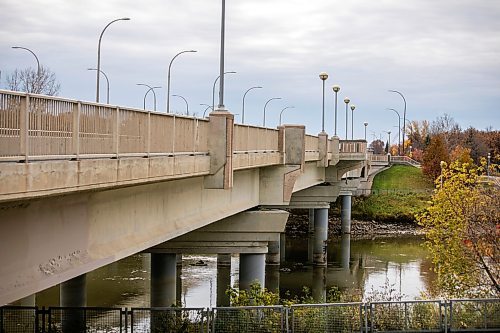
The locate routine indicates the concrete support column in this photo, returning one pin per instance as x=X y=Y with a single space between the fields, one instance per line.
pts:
x=252 y=269
x=345 y=214
x=223 y=279
x=163 y=279
x=282 y=247
x=345 y=250
x=320 y=236
x=273 y=253
x=310 y=234
x=27 y=301
x=73 y=293
x=319 y=284
x=273 y=278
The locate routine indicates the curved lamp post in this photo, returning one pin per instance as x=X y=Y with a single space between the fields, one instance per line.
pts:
x=185 y=101
x=243 y=111
x=366 y=124
x=352 y=121
x=33 y=53
x=346 y=101
x=336 y=89
x=107 y=82
x=323 y=76
x=99 y=54
x=147 y=92
x=207 y=107
x=213 y=89
x=265 y=105
x=168 y=76
x=388 y=142
x=399 y=130
x=288 y=107
x=404 y=116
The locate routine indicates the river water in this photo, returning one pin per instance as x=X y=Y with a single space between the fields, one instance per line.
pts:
x=373 y=265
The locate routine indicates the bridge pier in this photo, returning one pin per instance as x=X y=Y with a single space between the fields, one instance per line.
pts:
x=223 y=279
x=273 y=253
x=345 y=250
x=272 y=278
x=282 y=247
x=163 y=279
x=310 y=232
x=252 y=269
x=345 y=214
x=319 y=284
x=73 y=293
x=320 y=236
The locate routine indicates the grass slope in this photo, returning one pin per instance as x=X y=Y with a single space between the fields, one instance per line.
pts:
x=394 y=207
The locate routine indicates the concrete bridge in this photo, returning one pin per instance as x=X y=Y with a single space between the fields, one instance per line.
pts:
x=83 y=185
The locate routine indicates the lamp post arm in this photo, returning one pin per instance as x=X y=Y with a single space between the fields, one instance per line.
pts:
x=168 y=75
x=404 y=115
x=243 y=109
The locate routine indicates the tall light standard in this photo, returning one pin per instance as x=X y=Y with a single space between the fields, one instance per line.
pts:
x=207 y=107
x=147 y=92
x=346 y=101
x=185 y=101
x=99 y=54
x=288 y=107
x=399 y=130
x=336 y=89
x=366 y=124
x=107 y=82
x=243 y=111
x=221 y=70
x=323 y=76
x=488 y=165
x=168 y=76
x=404 y=115
x=33 y=53
x=213 y=89
x=352 y=121
x=265 y=105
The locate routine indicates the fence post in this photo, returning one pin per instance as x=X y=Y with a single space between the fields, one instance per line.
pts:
x=24 y=127
x=76 y=129
x=116 y=132
x=148 y=140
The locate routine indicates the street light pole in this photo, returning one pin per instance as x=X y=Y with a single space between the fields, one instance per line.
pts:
x=488 y=165
x=207 y=107
x=168 y=76
x=107 y=82
x=243 y=111
x=147 y=92
x=221 y=71
x=366 y=124
x=352 y=121
x=213 y=89
x=399 y=131
x=323 y=76
x=185 y=101
x=265 y=105
x=404 y=116
x=288 y=107
x=336 y=89
x=99 y=54
x=388 y=142
x=346 y=101
x=33 y=53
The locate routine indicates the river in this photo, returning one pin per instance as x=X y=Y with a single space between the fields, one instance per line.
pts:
x=370 y=265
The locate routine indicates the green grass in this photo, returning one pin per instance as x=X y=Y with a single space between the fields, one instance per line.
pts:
x=395 y=207
x=401 y=177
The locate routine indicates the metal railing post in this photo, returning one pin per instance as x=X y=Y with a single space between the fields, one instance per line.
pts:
x=24 y=126
x=148 y=140
x=116 y=133
x=173 y=136
x=76 y=129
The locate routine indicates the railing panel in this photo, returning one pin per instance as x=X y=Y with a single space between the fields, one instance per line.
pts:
x=352 y=146
x=69 y=319
x=248 y=319
x=50 y=126
x=15 y=319
x=406 y=316
x=162 y=133
x=10 y=125
x=96 y=129
x=250 y=138
x=312 y=143
x=475 y=315
x=241 y=138
x=202 y=136
x=327 y=318
x=184 y=134
x=145 y=320
x=133 y=130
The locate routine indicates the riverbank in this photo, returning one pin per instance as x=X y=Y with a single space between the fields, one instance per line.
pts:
x=298 y=224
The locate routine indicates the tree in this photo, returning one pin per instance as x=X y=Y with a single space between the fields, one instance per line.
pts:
x=462 y=228
x=377 y=146
x=433 y=155
x=31 y=81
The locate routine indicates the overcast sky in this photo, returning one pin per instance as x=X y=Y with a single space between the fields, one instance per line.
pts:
x=443 y=55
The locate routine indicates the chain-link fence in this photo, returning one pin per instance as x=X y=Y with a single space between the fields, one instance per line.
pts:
x=152 y=320
x=255 y=319
x=338 y=317
x=474 y=315
x=465 y=315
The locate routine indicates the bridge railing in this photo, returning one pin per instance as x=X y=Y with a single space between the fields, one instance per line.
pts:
x=458 y=315
x=379 y=158
x=352 y=146
x=404 y=160
x=44 y=127
x=255 y=139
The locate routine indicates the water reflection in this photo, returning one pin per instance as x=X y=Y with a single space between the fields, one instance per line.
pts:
x=368 y=265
